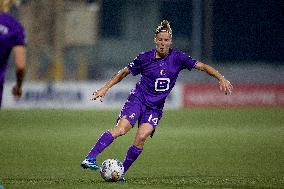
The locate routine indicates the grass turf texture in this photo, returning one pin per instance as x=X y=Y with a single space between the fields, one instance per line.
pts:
x=192 y=148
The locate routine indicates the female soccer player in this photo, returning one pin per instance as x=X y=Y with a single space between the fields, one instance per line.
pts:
x=12 y=38
x=159 y=69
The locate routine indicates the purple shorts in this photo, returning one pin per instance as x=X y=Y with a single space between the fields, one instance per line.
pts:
x=134 y=110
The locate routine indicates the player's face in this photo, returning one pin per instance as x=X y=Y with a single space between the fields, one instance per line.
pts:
x=163 y=42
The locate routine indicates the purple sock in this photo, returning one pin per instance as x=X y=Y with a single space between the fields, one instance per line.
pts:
x=104 y=141
x=132 y=154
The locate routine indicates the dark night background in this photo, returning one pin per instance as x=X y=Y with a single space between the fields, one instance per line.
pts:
x=243 y=30
x=248 y=30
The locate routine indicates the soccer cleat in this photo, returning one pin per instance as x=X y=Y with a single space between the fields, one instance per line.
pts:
x=90 y=164
x=122 y=179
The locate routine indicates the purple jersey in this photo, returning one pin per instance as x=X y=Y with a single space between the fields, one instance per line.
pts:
x=11 y=34
x=158 y=76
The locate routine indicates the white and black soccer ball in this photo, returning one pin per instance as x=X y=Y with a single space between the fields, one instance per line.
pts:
x=111 y=170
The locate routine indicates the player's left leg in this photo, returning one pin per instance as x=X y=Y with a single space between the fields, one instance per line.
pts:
x=143 y=132
x=147 y=124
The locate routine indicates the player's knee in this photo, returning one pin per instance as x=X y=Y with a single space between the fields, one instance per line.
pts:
x=117 y=132
x=141 y=138
x=122 y=131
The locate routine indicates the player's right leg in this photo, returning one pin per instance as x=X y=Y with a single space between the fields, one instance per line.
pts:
x=90 y=162
x=122 y=127
x=126 y=120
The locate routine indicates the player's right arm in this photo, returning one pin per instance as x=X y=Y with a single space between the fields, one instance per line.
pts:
x=100 y=93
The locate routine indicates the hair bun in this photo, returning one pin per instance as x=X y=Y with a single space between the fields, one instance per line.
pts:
x=165 y=23
x=164 y=27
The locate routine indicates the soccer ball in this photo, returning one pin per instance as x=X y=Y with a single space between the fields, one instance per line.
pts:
x=111 y=170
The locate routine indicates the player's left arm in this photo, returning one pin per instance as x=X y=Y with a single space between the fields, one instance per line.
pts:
x=224 y=84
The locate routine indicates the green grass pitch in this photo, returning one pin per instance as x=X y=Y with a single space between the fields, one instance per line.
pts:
x=192 y=148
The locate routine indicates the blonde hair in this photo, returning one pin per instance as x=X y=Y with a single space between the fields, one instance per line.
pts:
x=5 y=5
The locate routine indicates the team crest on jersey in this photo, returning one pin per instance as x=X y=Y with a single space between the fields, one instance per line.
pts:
x=132 y=116
x=162 y=72
x=3 y=29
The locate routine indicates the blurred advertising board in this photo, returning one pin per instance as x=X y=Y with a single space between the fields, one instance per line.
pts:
x=75 y=95
x=246 y=95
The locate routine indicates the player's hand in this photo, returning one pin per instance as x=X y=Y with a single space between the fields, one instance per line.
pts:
x=225 y=86
x=17 y=91
x=99 y=94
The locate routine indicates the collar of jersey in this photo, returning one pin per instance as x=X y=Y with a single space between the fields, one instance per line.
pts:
x=154 y=55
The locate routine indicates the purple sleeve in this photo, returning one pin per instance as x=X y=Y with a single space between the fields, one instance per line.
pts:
x=135 y=66
x=20 y=39
x=187 y=61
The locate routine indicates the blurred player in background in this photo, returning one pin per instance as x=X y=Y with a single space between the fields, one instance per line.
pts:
x=159 y=69
x=12 y=39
